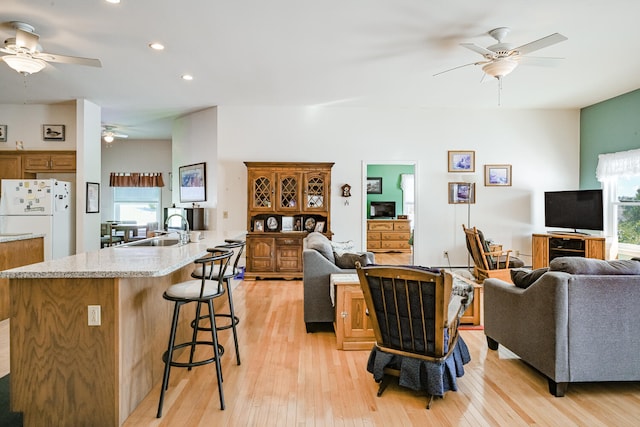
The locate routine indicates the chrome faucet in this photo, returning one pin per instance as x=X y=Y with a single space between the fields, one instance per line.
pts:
x=184 y=236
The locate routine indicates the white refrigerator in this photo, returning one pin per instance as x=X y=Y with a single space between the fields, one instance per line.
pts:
x=39 y=206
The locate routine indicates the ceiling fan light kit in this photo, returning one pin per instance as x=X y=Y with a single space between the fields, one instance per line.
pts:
x=24 y=64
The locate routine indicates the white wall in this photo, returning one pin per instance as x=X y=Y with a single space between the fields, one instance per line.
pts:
x=541 y=145
x=195 y=140
x=24 y=123
x=130 y=155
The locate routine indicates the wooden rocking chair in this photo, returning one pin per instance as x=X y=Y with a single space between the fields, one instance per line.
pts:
x=495 y=264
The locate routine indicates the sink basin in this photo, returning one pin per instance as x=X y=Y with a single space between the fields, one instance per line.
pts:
x=153 y=242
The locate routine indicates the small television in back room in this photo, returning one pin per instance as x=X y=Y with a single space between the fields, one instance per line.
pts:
x=383 y=210
x=581 y=209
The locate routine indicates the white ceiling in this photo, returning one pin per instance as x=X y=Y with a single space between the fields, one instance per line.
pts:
x=376 y=53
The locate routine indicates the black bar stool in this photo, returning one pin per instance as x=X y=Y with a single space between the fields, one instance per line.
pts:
x=204 y=290
x=238 y=247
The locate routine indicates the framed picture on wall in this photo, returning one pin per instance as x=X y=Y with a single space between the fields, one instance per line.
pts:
x=462 y=161
x=497 y=175
x=374 y=185
x=462 y=193
x=93 y=197
x=53 y=132
x=3 y=133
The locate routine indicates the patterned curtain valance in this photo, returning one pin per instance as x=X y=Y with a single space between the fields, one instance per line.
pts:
x=136 y=179
x=621 y=164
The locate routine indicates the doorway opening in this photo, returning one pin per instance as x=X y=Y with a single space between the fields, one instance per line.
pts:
x=389 y=217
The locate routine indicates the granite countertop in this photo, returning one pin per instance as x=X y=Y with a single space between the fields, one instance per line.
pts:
x=12 y=237
x=120 y=261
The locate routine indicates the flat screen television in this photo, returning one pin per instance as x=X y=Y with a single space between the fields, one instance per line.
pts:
x=580 y=209
x=383 y=210
x=193 y=183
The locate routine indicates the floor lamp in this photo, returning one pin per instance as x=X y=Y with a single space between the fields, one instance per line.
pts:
x=470 y=181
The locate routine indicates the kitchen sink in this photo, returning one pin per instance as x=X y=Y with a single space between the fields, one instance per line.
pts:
x=157 y=241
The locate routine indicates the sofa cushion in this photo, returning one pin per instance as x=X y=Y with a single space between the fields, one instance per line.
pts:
x=342 y=247
x=591 y=266
x=523 y=277
x=320 y=243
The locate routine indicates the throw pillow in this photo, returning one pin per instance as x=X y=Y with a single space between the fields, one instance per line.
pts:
x=342 y=247
x=523 y=278
x=348 y=260
x=320 y=243
x=591 y=266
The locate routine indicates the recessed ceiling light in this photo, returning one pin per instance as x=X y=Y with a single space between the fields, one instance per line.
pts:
x=187 y=77
x=156 y=46
x=113 y=1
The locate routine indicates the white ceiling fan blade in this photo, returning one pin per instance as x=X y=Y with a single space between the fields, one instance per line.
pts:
x=120 y=135
x=459 y=66
x=479 y=49
x=63 y=59
x=26 y=40
x=540 y=43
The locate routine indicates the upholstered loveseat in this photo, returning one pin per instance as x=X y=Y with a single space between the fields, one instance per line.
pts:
x=321 y=259
x=575 y=322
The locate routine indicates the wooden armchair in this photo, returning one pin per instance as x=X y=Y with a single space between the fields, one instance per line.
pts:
x=416 y=328
x=489 y=263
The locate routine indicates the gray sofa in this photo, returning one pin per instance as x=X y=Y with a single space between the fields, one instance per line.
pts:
x=319 y=263
x=575 y=322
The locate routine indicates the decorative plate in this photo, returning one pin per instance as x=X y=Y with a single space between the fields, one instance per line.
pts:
x=272 y=223
x=310 y=224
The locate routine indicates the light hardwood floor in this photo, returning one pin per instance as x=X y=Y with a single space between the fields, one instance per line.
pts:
x=291 y=378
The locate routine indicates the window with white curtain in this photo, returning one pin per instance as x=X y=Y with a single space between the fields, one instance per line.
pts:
x=407 y=183
x=619 y=174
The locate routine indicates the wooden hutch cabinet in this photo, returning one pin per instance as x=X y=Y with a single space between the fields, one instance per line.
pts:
x=286 y=201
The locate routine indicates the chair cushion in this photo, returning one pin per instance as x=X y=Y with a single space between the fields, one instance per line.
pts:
x=191 y=289
x=348 y=259
x=320 y=243
x=513 y=262
x=591 y=266
x=523 y=277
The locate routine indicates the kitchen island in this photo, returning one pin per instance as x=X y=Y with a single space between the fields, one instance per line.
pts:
x=17 y=250
x=67 y=373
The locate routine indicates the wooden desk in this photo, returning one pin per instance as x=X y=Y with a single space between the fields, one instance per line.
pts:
x=352 y=325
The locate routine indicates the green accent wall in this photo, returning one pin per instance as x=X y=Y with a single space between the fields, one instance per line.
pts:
x=391 y=178
x=607 y=127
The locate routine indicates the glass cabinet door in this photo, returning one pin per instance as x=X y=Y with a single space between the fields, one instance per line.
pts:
x=289 y=191
x=262 y=191
x=315 y=192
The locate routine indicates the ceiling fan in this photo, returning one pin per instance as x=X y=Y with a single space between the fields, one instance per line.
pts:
x=502 y=58
x=25 y=55
x=109 y=133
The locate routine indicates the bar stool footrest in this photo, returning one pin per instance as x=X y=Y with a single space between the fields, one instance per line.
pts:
x=236 y=320
x=194 y=363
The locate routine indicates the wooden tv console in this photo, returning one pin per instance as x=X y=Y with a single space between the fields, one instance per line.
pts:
x=546 y=247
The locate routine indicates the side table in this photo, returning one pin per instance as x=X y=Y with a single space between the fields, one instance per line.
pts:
x=472 y=315
x=351 y=323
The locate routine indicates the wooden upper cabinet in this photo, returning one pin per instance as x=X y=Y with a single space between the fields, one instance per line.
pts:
x=262 y=190
x=10 y=166
x=288 y=191
x=51 y=162
x=316 y=191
